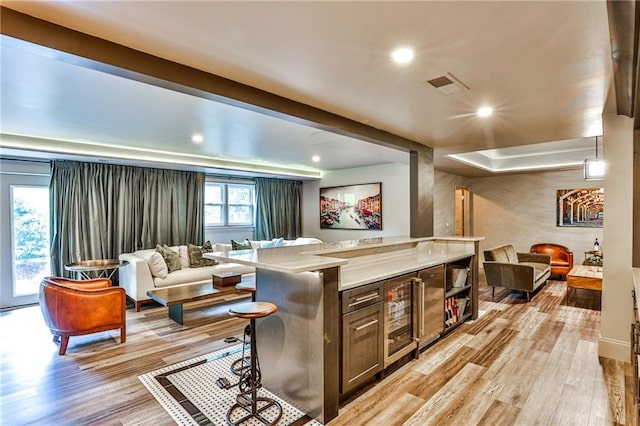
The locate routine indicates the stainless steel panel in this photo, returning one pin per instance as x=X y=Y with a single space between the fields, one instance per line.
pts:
x=433 y=307
x=298 y=346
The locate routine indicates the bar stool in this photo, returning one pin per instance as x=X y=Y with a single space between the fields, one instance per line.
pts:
x=247 y=401
x=244 y=362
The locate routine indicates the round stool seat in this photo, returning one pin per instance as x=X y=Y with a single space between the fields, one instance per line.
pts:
x=246 y=286
x=252 y=310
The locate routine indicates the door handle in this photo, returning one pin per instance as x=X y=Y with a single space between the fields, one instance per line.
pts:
x=363 y=326
x=364 y=299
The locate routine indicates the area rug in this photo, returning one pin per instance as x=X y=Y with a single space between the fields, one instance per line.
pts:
x=188 y=391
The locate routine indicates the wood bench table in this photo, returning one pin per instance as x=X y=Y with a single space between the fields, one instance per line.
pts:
x=174 y=297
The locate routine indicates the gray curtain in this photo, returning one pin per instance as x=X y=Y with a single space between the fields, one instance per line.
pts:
x=101 y=210
x=277 y=209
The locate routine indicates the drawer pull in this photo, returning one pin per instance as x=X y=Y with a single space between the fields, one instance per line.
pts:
x=363 y=299
x=363 y=326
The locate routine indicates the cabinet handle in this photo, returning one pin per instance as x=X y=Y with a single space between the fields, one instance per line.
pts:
x=364 y=299
x=363 y=326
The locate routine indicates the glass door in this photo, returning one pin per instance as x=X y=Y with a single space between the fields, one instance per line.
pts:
x=399 y=318
x=24 y=227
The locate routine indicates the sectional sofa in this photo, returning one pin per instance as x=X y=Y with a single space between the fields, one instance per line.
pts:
x=147 y=271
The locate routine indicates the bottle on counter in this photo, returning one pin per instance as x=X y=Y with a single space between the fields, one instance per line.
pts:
x=596 y=245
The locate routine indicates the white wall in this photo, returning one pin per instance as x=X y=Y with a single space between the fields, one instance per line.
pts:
x=618 y=227
x=520 y=209
x=395 y=201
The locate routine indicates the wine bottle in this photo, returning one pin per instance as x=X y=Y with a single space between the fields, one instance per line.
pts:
x=596 y=245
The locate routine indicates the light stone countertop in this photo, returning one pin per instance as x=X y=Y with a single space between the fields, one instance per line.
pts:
x=360 y=261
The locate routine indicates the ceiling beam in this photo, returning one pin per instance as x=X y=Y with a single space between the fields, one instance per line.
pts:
x=624 y=21
x=95 y=53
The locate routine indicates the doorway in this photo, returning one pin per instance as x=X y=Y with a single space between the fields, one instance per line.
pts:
x=24 y=226
x=462 y=212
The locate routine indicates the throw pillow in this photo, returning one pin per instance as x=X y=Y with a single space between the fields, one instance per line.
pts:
x=171 y=258
x=195 y=255
x=276 y=242
x=237 y=245
x=157 y=265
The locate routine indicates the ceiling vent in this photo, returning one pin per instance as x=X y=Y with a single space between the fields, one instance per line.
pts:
x=447 y=84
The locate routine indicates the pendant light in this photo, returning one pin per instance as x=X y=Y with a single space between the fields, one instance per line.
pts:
x=594 y=168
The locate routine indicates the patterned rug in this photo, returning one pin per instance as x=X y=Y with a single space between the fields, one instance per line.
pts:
x=188 y=391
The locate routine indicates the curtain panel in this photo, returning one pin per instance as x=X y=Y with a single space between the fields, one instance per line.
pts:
x=101 y=210
x=277 y=209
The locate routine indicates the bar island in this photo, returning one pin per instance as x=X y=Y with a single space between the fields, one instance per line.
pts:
x=347 y=310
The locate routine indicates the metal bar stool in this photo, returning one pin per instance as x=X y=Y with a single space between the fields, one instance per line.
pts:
x=248 y=404
x=244 y=362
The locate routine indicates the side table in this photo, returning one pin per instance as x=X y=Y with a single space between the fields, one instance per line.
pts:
x=104 y=268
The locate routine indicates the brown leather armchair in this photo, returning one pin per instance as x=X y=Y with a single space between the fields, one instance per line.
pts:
x=77 y=307
x=561 y=257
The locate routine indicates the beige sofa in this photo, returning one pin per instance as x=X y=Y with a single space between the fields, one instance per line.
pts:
x=141 y=276
x=144 y=273
x=503 y=267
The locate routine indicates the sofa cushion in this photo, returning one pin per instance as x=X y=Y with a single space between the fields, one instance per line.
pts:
x=539 y=268
x=503 y=254
x=301 y=241
x=183 y=252
x=156 y=263
x=200 y=275
x=276 y=242
x=240 y=245
x=171 y=258
x=510 y=252
x=195 y=255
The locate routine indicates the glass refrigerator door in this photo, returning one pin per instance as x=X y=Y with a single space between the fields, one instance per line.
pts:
x=399 y=316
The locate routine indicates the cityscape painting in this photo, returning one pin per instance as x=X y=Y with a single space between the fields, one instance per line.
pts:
x=351 y=207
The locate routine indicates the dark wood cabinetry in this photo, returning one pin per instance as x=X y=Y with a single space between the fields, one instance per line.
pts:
x=635 y=356
x=362 y=335
x=458 y=298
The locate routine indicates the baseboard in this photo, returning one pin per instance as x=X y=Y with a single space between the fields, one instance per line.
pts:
x=614 y=349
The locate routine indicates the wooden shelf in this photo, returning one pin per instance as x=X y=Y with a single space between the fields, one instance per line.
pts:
x=456 y=290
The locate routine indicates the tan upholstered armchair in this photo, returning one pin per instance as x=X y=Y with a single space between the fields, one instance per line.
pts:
x=503 y=267
x=561 y=257
x=74 y=307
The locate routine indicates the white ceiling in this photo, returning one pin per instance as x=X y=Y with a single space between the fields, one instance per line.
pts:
x=545 y=67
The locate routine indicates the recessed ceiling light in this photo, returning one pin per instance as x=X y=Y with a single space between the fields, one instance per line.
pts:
x=315 y=158
x=484 y=111
x=402 y=55
x=197 y=138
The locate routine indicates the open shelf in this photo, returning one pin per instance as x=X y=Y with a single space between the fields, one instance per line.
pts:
x=460 y=321
x=456 y=290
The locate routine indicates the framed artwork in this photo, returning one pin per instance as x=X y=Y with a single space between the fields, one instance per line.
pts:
x=580 y=208
x=351 y=207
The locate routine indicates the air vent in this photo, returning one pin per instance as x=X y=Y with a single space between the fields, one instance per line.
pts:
x=447 y=84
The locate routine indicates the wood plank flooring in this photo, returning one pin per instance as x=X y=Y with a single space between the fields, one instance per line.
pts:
x=519 y=364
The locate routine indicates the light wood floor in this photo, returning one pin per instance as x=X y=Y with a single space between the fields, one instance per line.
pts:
x=520 y=363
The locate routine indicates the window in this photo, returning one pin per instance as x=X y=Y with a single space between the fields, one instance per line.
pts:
x=228 y=204
x=30 y=237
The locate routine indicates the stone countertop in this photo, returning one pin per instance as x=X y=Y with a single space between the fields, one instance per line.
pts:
x=285 y=259
x=378 y=259
x=375 y=267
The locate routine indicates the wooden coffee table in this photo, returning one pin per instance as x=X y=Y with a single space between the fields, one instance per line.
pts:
x=584 y=277
x=174 y=297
